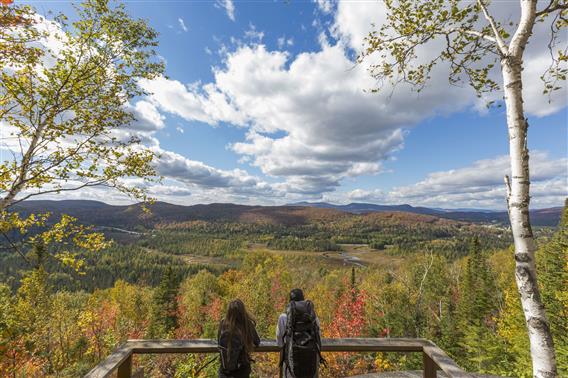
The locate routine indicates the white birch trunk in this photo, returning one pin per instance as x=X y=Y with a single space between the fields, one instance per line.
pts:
x=518 y=198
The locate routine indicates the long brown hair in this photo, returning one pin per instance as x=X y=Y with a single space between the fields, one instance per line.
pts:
x=239 y=322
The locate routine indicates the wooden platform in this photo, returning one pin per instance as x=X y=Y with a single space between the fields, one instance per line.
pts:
x=434 y=358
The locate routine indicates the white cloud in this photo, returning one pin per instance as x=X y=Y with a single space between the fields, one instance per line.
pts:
x=228 y=6
x=360 y=195
x=148 y=118
x=353 y=21
x=254 y=35
x=537 y=103
x=192 y=102
x=478 y=185
x=282 y=42
x=182 y=25
x=325 y=6
x=310 y=122
x=483 y=174
x=198 y=174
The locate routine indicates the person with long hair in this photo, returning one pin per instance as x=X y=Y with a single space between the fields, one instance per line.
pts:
x=237 y=338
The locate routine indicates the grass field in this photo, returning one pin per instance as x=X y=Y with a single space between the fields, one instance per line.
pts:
x=352 y=255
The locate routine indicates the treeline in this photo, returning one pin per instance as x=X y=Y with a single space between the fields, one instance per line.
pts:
x=130 y=263
x=191 y=243
x=468 y=306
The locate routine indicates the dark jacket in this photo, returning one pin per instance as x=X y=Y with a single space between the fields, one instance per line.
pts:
x=245 y=360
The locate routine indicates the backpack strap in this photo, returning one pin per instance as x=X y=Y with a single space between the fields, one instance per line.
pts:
x=205 y=365
x=322 y=360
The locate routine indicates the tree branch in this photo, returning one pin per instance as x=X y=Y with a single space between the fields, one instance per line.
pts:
x=524 y=30
x=472 y=32
x=553 y=6
x=85 y=185
x=16 y=249
x=500 y=43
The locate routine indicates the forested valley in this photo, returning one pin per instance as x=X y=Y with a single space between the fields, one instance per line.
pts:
x=369 y=275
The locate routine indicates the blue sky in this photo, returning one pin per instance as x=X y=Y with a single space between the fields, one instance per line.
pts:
x=263 y=104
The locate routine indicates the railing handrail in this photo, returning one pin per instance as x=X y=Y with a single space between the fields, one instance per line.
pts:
x=434 y=357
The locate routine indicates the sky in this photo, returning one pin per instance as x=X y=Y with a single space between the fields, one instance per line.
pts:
x=263 y=103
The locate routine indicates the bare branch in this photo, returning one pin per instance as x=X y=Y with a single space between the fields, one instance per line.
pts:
x=15 y=248
x=472 y=32
x=85 y=185
x=553 y=6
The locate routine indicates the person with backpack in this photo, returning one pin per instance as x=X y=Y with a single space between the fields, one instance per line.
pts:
x=236 y=339
x=298 y=336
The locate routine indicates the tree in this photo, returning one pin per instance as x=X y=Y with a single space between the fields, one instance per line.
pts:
x=477 y=306
x=8 y=331
x=552 y=260
x=473 y=42
x=65 y=89
x=34 y=309
x=164 y=310
x=478 y=299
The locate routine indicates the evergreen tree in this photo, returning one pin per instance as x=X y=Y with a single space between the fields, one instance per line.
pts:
x=477 y=304
x=8 y=330
x=478 y=289
x=552 y=261
x=34 y=309
x=164 y=310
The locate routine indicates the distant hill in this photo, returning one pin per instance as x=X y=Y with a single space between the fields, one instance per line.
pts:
x=131 y=216
x=539 y=217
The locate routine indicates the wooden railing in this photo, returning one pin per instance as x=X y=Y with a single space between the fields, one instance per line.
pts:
x=433 y=357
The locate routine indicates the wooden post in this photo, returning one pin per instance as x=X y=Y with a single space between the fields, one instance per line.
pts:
x=429 y=367
x=125 y=369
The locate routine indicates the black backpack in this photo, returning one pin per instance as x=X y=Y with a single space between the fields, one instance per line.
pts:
x=302 y=343
x=233 y=358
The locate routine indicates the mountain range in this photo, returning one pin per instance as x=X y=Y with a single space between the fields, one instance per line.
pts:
x=130 y=216
x=539 y=217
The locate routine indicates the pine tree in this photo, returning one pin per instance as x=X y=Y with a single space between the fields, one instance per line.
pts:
x=552 y=261
x=8 y=330
x=164 y=311
x=475 y=309
x=34 y=309
x=478 y=289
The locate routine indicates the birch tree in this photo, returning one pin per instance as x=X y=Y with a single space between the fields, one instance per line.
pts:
x=65 y=89
x=479 y=50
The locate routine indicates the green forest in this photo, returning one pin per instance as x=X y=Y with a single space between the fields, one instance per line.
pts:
x=443 y=281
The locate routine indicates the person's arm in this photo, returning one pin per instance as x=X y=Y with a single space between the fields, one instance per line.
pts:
x=219 y=330
x=319 y=329
x=280 y=330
